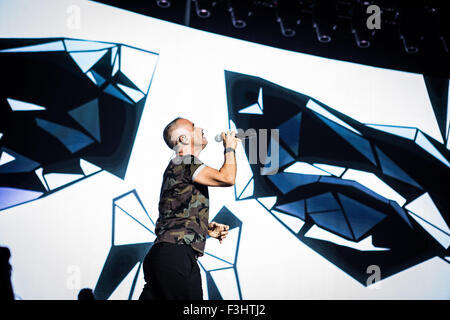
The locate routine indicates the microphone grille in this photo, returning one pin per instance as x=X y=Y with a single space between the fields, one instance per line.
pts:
x=218 y=137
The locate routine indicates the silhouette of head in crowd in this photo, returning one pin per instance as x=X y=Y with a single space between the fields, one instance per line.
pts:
x=6 y=291
x=86 y=294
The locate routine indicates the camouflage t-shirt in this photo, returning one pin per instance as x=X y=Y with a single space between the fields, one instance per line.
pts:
x=183 y=205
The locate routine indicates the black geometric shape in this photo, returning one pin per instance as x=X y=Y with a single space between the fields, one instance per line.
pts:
x=98 y=78
x=361 y=218
x=296 y=208
x=286 y=181
x=401 y=212
x=322 y=202
x=19 y=164
x=290 y=132
x=284 y=158
x=119 y=262
x=122 y=258
x=213 y=291
x=225 y=216
x=116 y=93
x=404 y=165
x=389 y=168
x=72 y=139
x=87 y=116
x=356 y=141
x=333 y=221
x=75 y=108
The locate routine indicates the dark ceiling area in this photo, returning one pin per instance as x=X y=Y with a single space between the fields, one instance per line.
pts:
x=410 y=36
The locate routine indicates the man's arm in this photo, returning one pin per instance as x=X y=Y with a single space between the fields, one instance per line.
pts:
x=226 y=175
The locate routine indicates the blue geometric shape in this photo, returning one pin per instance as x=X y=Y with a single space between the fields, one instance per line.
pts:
x=296 y=208
x=322 y=202
x=134 y=94
x=354 y=184
x=213 y=291
x=356 y=141
x=253 y=109
x=389 y=168
x=225 y=216
x=83 y=45
x=290 y=132
x=19 y=164
x=283 y=158
x=116 y=93
x=17 y=105
x=87 y=116
x=85 y=60
x=98 y=78
x=401 y=212
x=333 y=221
x=72 y=139
x=426 y=145
x=13 y=196
x=362 y=218
x=286 y=182
x=49 y=46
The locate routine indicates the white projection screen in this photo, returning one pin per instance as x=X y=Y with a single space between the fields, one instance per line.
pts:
x=90 y=227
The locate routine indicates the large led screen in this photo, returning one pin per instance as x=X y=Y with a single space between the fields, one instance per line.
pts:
x=355 y=207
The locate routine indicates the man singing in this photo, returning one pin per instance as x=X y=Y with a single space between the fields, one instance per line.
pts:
x=170 y=268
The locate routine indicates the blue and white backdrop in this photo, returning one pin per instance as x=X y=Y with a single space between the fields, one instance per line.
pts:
x=358 y=209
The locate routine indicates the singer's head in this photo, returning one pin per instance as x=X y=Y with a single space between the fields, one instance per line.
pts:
x=184 y=137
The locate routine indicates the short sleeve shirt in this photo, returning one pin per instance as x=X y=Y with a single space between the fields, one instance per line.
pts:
x=183 y=205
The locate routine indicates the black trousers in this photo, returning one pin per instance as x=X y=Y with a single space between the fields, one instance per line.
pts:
x=171 y=272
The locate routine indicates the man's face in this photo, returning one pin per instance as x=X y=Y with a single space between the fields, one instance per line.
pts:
x=199 y=136
x=196 y=134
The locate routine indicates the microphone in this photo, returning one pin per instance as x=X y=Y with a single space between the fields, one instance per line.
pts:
x=239 y=135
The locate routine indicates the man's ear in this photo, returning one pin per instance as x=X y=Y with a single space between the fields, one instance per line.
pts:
x=184 y=139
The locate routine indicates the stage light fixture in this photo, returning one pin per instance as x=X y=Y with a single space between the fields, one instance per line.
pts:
x=324 y=19
x=410 y=28
x=361 y=33
x=444 y=43
x=163 y=3
x=287 y=13
x=203 y=8
x=239 y=11
x=444 y=27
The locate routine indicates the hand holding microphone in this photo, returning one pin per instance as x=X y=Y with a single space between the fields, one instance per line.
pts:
x=229 y=139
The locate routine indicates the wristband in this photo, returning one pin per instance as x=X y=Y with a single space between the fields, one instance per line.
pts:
x=229 y=150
